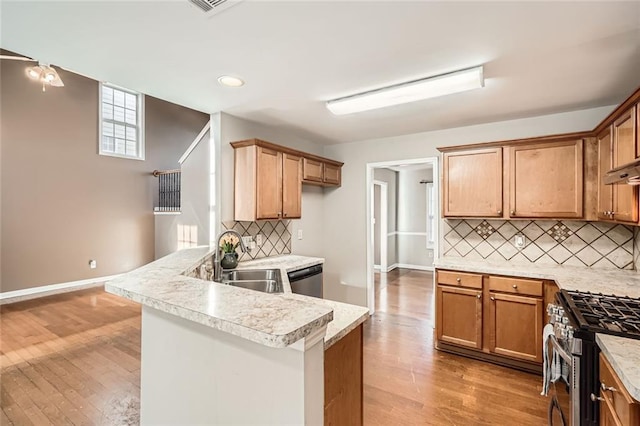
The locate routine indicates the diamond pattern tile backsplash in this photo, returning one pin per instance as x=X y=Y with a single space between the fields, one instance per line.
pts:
x=592 y=244
x=276 y=237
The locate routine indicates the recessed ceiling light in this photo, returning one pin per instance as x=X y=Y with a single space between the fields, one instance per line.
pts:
x=431 y=87
x=230 y=81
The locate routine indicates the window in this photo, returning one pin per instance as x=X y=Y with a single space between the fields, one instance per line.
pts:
x=431 y=216
x=121 y=122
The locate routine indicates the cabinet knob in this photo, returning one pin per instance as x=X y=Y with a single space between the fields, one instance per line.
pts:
x=492 y=298
x=458 y=279
x=285 y=215
x=499 y=212
x=596 y=398
x=607 y=388
x=515 y=286
x=512 y=212
x=279 y=214
x=479 y=296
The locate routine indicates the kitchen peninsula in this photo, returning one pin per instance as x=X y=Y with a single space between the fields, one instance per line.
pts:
x=217 y=354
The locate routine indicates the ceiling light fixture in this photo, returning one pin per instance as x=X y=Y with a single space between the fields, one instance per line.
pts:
x=230 y=81
x=46 y=75
x=411 y=91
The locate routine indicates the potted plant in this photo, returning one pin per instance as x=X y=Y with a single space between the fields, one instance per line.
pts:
x=228 y=245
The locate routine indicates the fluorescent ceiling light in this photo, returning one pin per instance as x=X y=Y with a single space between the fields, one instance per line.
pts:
x=403 y=93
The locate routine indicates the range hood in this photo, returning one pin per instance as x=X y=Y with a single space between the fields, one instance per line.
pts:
x=627 y=174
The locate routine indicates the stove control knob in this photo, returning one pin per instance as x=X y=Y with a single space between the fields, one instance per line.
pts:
x=565 y=320
x=561 y=312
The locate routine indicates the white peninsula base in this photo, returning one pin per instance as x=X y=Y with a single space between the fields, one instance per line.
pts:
x=194 y=374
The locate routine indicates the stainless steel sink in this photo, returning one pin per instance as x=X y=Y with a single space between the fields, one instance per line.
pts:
x=264 y=280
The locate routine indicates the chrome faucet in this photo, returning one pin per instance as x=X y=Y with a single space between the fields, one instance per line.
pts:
x=217 y=269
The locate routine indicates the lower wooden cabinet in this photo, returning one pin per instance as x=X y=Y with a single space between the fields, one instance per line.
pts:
x=516 y=326
x=343 y=374
x=494 y=318
x=617 y=407
x=459 y=316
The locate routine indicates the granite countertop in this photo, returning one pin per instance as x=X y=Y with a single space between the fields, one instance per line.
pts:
x=275 y=320
x=622 y=353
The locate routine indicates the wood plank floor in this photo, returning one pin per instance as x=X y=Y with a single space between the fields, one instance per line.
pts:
x=75 y=359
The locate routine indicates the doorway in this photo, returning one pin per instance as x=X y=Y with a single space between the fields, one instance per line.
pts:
x=409 y=190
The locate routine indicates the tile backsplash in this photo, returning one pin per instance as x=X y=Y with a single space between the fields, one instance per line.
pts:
x=276 y=237
x=593 y=244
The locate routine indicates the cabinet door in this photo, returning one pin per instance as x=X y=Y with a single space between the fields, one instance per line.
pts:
x=332 y=175
x=625 y=197
x=605 y=163
x=515 y=324
x=472 y=183
x=291 y=186
x=607 y=417
x=546 y=180
x=312 y=170
x=459 y=318
x=269 y=184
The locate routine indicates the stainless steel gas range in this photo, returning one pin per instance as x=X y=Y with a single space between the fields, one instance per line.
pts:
x=576 y=318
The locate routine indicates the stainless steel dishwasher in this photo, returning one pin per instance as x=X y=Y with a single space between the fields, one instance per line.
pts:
x=307 y=281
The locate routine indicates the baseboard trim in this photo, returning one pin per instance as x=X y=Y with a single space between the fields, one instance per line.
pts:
x=409 y=266
x=48 y=290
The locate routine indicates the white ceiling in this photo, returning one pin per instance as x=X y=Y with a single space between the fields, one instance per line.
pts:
x=539 y=57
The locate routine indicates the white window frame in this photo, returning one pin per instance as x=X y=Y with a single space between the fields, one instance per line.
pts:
x=140 y=123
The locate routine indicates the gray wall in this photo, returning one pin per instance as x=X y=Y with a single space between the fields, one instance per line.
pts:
x=346 y=269
x=412 y=217
x=193 y=222
x=63 y=204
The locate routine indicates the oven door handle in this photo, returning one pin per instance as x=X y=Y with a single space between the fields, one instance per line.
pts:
x=560 y=349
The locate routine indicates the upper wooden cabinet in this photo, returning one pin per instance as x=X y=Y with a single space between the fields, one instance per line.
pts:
x=472 y=183
x=546 y=180
x=322 y=173
x=605 y=163
x=269 y=177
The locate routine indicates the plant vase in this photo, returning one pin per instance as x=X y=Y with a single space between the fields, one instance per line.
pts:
x=229 y=260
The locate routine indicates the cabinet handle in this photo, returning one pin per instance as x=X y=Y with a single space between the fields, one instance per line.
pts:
x=458 y=280
x=515 y=286
x=596 y=398
x=608 y=388
x=512 y=212
x=279 y=214
x=500 y=212
x=285 y=215
x=479 y=296
x=492 y=298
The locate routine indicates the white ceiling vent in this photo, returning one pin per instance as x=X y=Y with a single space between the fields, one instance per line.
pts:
x=212 y=7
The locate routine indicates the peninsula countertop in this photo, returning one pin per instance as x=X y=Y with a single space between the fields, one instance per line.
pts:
x=275 y=320
x=622 y=353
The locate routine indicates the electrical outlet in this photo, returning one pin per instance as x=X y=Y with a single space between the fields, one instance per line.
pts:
x=247 y=240
x=519 y=240
x=299 y=234
x=259 y=240
x=93 y=264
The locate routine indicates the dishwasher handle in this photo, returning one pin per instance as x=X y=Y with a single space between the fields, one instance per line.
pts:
x=301 y=274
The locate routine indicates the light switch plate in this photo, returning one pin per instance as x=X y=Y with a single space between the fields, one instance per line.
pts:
x=519 y=240
x=299 y=234
x=259 y=240
x=93 y=264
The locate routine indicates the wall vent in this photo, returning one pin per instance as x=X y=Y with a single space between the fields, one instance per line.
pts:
x=214 y=6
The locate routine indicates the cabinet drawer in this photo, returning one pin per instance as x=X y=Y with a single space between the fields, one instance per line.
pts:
x=624 y=408
x=516 y=286
x=460 y=279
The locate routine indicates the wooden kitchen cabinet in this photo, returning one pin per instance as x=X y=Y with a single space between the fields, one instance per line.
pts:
x=269 y=177
x=472 y=183
x=617 y=407
x=267 y=184
x=343 y=381
x=625 y=197
x=605 y=163
x=546 y=180
x=494 y=318
x=459 y=316
x=515 y=326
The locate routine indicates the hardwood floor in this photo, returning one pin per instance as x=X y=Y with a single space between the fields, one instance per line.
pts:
x=408 y=382
x=75 y=359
